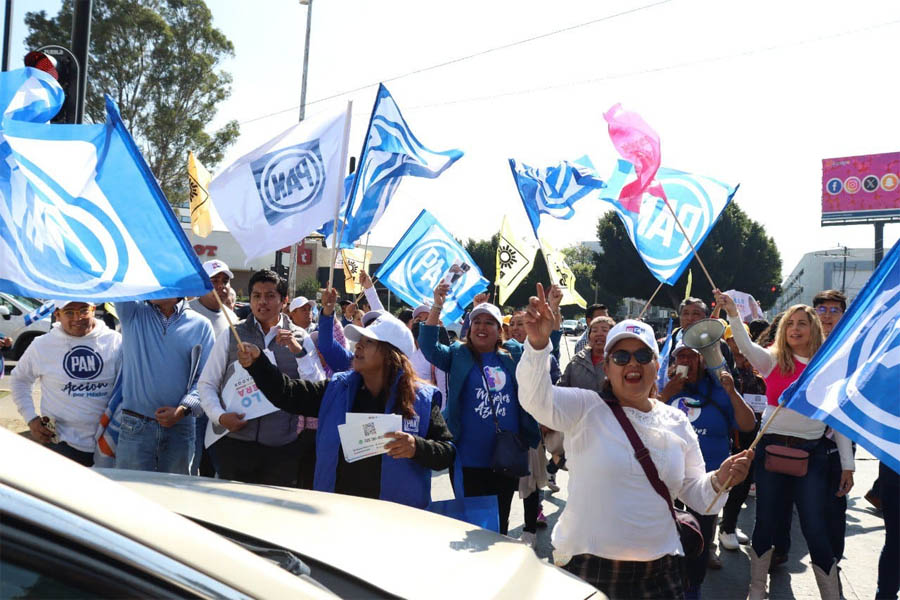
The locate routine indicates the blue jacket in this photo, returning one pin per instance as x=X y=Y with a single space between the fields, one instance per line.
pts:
x=336 y=356
x=457 y=361
x=402 y=479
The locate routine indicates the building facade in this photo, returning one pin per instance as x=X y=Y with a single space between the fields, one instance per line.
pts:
x=843 y=269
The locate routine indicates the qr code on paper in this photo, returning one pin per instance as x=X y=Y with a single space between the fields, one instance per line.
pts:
x=368 y=429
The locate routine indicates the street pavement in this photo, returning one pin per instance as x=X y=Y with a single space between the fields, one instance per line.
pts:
x=795 y=579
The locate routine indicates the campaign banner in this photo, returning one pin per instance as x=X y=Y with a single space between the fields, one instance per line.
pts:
x=861 y=187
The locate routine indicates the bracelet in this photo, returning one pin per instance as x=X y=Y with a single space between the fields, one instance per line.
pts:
x=439 y=307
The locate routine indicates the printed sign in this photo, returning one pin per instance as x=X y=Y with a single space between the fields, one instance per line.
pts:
x=240 y=395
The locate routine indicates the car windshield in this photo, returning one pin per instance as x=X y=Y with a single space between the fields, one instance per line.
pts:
x=29 y=303
x=570 y=322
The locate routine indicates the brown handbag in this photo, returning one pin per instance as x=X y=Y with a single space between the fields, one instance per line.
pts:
x=786 y=460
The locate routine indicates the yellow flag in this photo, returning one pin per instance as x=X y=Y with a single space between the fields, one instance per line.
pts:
x=198 y=178
x=355 y=260
x=562 y=275
x=687 y=288
x=515 y=258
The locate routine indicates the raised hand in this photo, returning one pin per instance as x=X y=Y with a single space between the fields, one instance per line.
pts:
x=329 y=298
x=727 y=302
x=365 y=280
x=440 y=293
x=247 y=354
x=539 y=320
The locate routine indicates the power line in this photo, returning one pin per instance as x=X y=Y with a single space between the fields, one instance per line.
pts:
x=463 y=58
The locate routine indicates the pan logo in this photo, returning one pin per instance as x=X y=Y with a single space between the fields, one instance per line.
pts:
x=852 y=185
x=289 y=180
x=426 y=265
x=82 y=362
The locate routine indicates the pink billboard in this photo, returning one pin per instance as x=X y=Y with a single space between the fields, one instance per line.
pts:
x=860 y=188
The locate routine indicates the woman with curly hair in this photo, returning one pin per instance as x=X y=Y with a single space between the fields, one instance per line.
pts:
x=381 y=380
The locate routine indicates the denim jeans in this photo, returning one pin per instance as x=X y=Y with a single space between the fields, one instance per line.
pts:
x=145 y=445
x=810 y=496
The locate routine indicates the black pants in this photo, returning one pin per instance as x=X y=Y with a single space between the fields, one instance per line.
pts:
x=484 y=482
x=82 y=458
x=696 y=567
x=738 y=493
x=531 y=504
x=306 y=462
x=252 y=462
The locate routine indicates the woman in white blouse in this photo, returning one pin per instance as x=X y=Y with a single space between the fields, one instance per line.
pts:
x=617 y=532
x=799 y=336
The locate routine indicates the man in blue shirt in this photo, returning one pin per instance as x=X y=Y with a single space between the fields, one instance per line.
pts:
x=164 y=348
x=714 y=408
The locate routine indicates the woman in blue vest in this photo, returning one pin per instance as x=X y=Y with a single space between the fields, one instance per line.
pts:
x=481 y=378
x=382 y=380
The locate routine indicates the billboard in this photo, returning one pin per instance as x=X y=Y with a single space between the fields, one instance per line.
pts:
x=861 y=189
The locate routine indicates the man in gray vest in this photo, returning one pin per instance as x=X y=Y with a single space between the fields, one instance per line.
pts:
x=259 y=444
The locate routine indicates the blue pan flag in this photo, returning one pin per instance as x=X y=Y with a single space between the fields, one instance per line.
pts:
x=390 y=152
x=424 y=255
x=81 y=215
x=852 y=382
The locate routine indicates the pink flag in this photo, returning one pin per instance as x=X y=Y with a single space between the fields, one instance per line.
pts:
x=638 y=144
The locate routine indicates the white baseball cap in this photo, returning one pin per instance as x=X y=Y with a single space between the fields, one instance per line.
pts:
x=629 y=328
x=682 y=346
x=214 y=267
x=61 y=304
x=298 y=302
x=489 y=309
x=371 y=316
x=386 y=328
x=422 y=308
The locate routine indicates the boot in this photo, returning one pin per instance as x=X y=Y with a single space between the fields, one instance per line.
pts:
x=759 y=574
x=828 y=582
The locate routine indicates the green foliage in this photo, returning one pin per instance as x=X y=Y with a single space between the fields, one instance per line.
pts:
x=159 y=60
x=308 y=287
x=738 y=254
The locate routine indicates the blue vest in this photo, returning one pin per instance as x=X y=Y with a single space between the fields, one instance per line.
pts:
x=402 y=479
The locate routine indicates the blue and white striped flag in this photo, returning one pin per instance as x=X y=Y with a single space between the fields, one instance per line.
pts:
x=852 y=382
x=553 y=190
x=81 y=215
x=390 y=152
x=41 y=312
x=697 y=200
x=419 y=261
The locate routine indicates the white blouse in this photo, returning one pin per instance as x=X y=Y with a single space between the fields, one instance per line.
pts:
x=613 y=511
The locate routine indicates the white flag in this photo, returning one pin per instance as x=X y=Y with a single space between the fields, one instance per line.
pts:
x=285 y=189
x=747 y=305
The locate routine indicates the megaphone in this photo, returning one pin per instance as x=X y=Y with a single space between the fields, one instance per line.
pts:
x=704 y=337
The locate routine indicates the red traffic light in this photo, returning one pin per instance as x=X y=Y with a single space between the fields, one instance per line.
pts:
x=773 y=288
x=42 y=62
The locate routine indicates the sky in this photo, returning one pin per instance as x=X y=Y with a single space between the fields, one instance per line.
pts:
x=750 y=93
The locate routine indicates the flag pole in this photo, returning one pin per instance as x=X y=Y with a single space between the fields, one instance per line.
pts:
x=340 y=194
x=687 y=237
x=646 y=306
x=759 y=435
x=228 y=318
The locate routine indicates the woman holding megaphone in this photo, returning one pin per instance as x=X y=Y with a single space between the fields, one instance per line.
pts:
x=791 y=455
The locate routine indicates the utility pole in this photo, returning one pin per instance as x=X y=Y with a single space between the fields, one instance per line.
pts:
x=844 y=279
x=7 y=32
x=81 y=41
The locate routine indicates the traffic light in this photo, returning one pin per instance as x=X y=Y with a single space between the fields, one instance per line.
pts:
x=59 y=63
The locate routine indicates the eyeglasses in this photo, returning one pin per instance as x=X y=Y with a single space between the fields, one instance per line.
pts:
x=81 y=312
x=623 y=357
x=835 y=310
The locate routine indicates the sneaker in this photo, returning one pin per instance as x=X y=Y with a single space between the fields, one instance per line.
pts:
x=541 y=519
x=728 y=541
x=551 y=484
x=528 y=538
x=741 y=537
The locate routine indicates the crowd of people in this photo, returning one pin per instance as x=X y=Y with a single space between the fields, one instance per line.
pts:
x=653 y=455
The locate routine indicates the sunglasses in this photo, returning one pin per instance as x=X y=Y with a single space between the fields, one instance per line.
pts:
x=623 y=357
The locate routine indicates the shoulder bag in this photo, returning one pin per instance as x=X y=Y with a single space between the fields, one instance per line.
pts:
x=685 y=522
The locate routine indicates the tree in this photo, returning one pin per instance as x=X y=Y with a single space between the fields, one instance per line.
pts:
x=737 y=252
x=158 y=59
x=581 y=260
